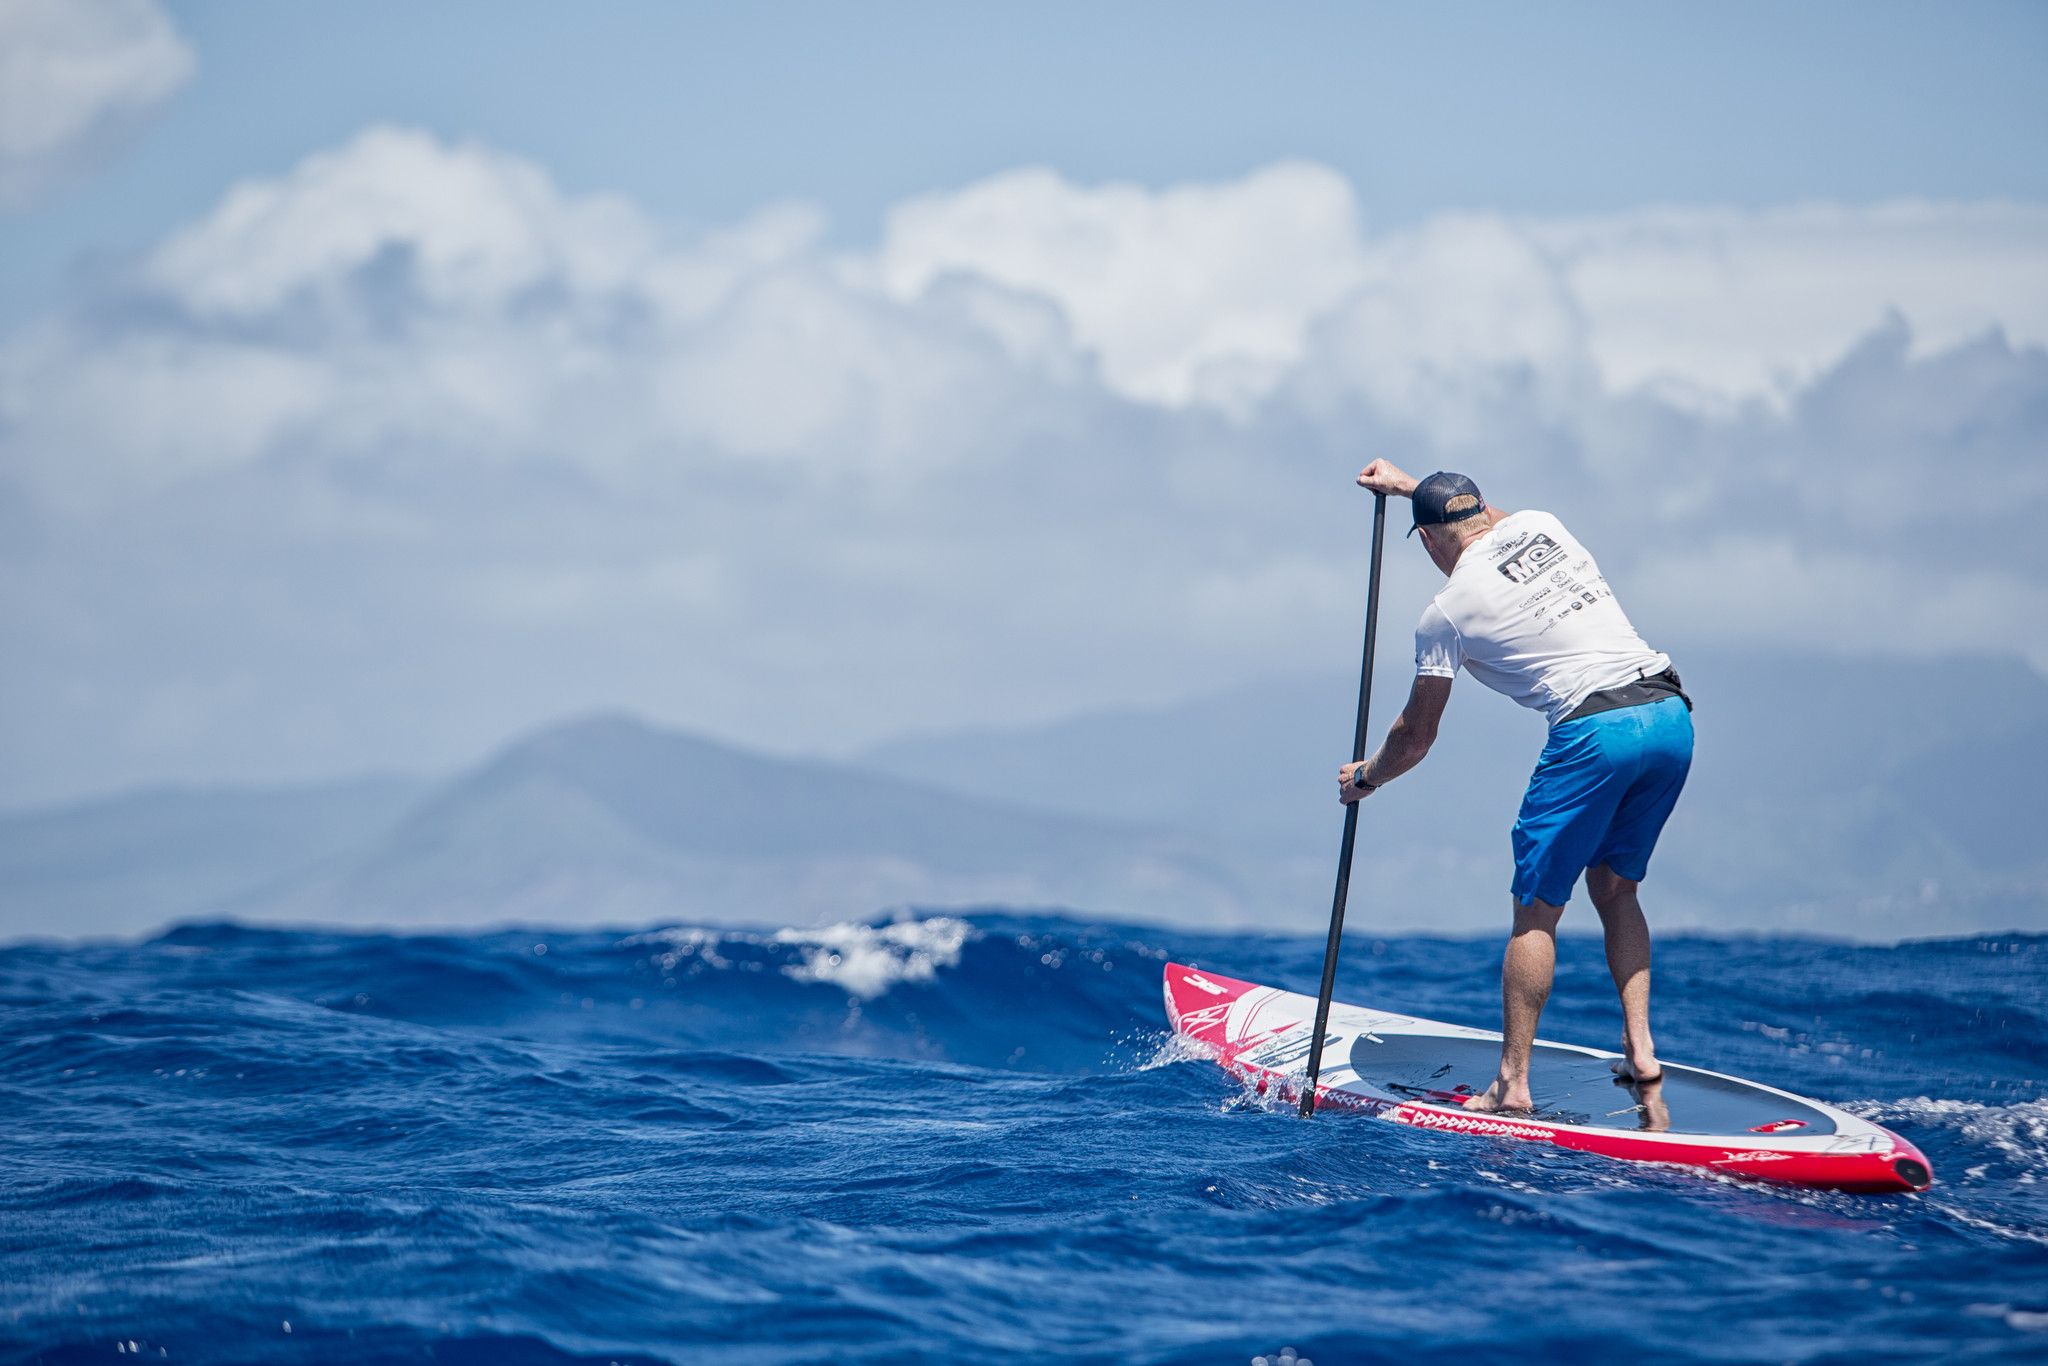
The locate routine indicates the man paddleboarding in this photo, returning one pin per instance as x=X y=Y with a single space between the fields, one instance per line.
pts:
x=1527 y=613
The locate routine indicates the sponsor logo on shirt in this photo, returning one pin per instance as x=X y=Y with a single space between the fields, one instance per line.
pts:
x=1509 y=544
x=1531 y=560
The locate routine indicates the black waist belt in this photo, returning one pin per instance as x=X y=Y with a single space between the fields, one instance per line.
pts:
x=1654 y=688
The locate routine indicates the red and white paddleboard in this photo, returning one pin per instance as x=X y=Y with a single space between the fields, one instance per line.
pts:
x=1420 y=1071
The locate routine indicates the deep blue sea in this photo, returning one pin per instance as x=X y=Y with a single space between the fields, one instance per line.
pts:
x=950 y=1141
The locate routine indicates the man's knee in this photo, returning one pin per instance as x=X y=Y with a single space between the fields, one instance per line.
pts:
x=1536 y=916
x=1608 y=889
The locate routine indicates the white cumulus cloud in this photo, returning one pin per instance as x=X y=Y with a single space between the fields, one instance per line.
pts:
x=472 y=228
x=395 y=454
x=76 y=76
x=1722 y=304
x=1196 y=293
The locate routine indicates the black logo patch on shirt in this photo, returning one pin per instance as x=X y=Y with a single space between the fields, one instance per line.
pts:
x=1532 y=559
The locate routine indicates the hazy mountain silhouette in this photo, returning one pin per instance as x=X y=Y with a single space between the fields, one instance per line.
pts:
x=1869 y=798
x=130 y=862
x=610 y=820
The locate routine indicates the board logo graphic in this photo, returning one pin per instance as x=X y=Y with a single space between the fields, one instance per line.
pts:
x=1532 y=559
x=1278 y=1053
x=1208 y=1017
x=1203 y=983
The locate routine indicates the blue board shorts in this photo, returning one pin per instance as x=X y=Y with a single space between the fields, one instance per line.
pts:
x=1602 y=790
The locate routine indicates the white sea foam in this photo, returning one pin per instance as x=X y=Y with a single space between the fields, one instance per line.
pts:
x=2026 y=1320
x=2018 y=1132
x=866 y=960
x=1175 y=1048
x=685 y=940
x=862 y=960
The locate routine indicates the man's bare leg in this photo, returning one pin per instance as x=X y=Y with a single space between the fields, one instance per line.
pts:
x=1526 y=971
x=1628 y=959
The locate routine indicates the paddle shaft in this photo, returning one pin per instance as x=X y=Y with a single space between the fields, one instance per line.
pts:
x=1359 y=738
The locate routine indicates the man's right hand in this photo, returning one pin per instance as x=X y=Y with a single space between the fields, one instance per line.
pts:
x=1384 y=476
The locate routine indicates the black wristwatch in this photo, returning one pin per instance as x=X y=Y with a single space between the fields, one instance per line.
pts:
x=1358 y=779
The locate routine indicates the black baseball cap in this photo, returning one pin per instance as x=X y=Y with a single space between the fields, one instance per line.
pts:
x=1443 y=498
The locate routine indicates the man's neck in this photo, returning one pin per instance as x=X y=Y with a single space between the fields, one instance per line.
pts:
x=1493 y=517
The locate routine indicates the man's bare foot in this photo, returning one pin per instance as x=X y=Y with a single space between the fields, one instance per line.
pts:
x=1502 y=1097
x=1656 y=1114
x=1643 y=1070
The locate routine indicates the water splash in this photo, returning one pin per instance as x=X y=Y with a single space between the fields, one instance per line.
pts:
x=866 y=960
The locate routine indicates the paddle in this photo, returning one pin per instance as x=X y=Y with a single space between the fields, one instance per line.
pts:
x=1358 y=741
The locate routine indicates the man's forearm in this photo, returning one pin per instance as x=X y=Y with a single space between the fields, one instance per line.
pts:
x=1402 y=750
x=1407 y=740
x=1385 y=477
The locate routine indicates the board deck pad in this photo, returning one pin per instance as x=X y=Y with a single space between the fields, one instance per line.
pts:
x=1420 y=1072
x=1573 y=1088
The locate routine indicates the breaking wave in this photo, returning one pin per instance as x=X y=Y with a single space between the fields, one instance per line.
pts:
x=862 y=960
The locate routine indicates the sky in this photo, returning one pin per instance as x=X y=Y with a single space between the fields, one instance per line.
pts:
x=702 y=113
x=378 y=381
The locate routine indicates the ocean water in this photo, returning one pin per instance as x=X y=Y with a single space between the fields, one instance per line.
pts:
x=959 y=1140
